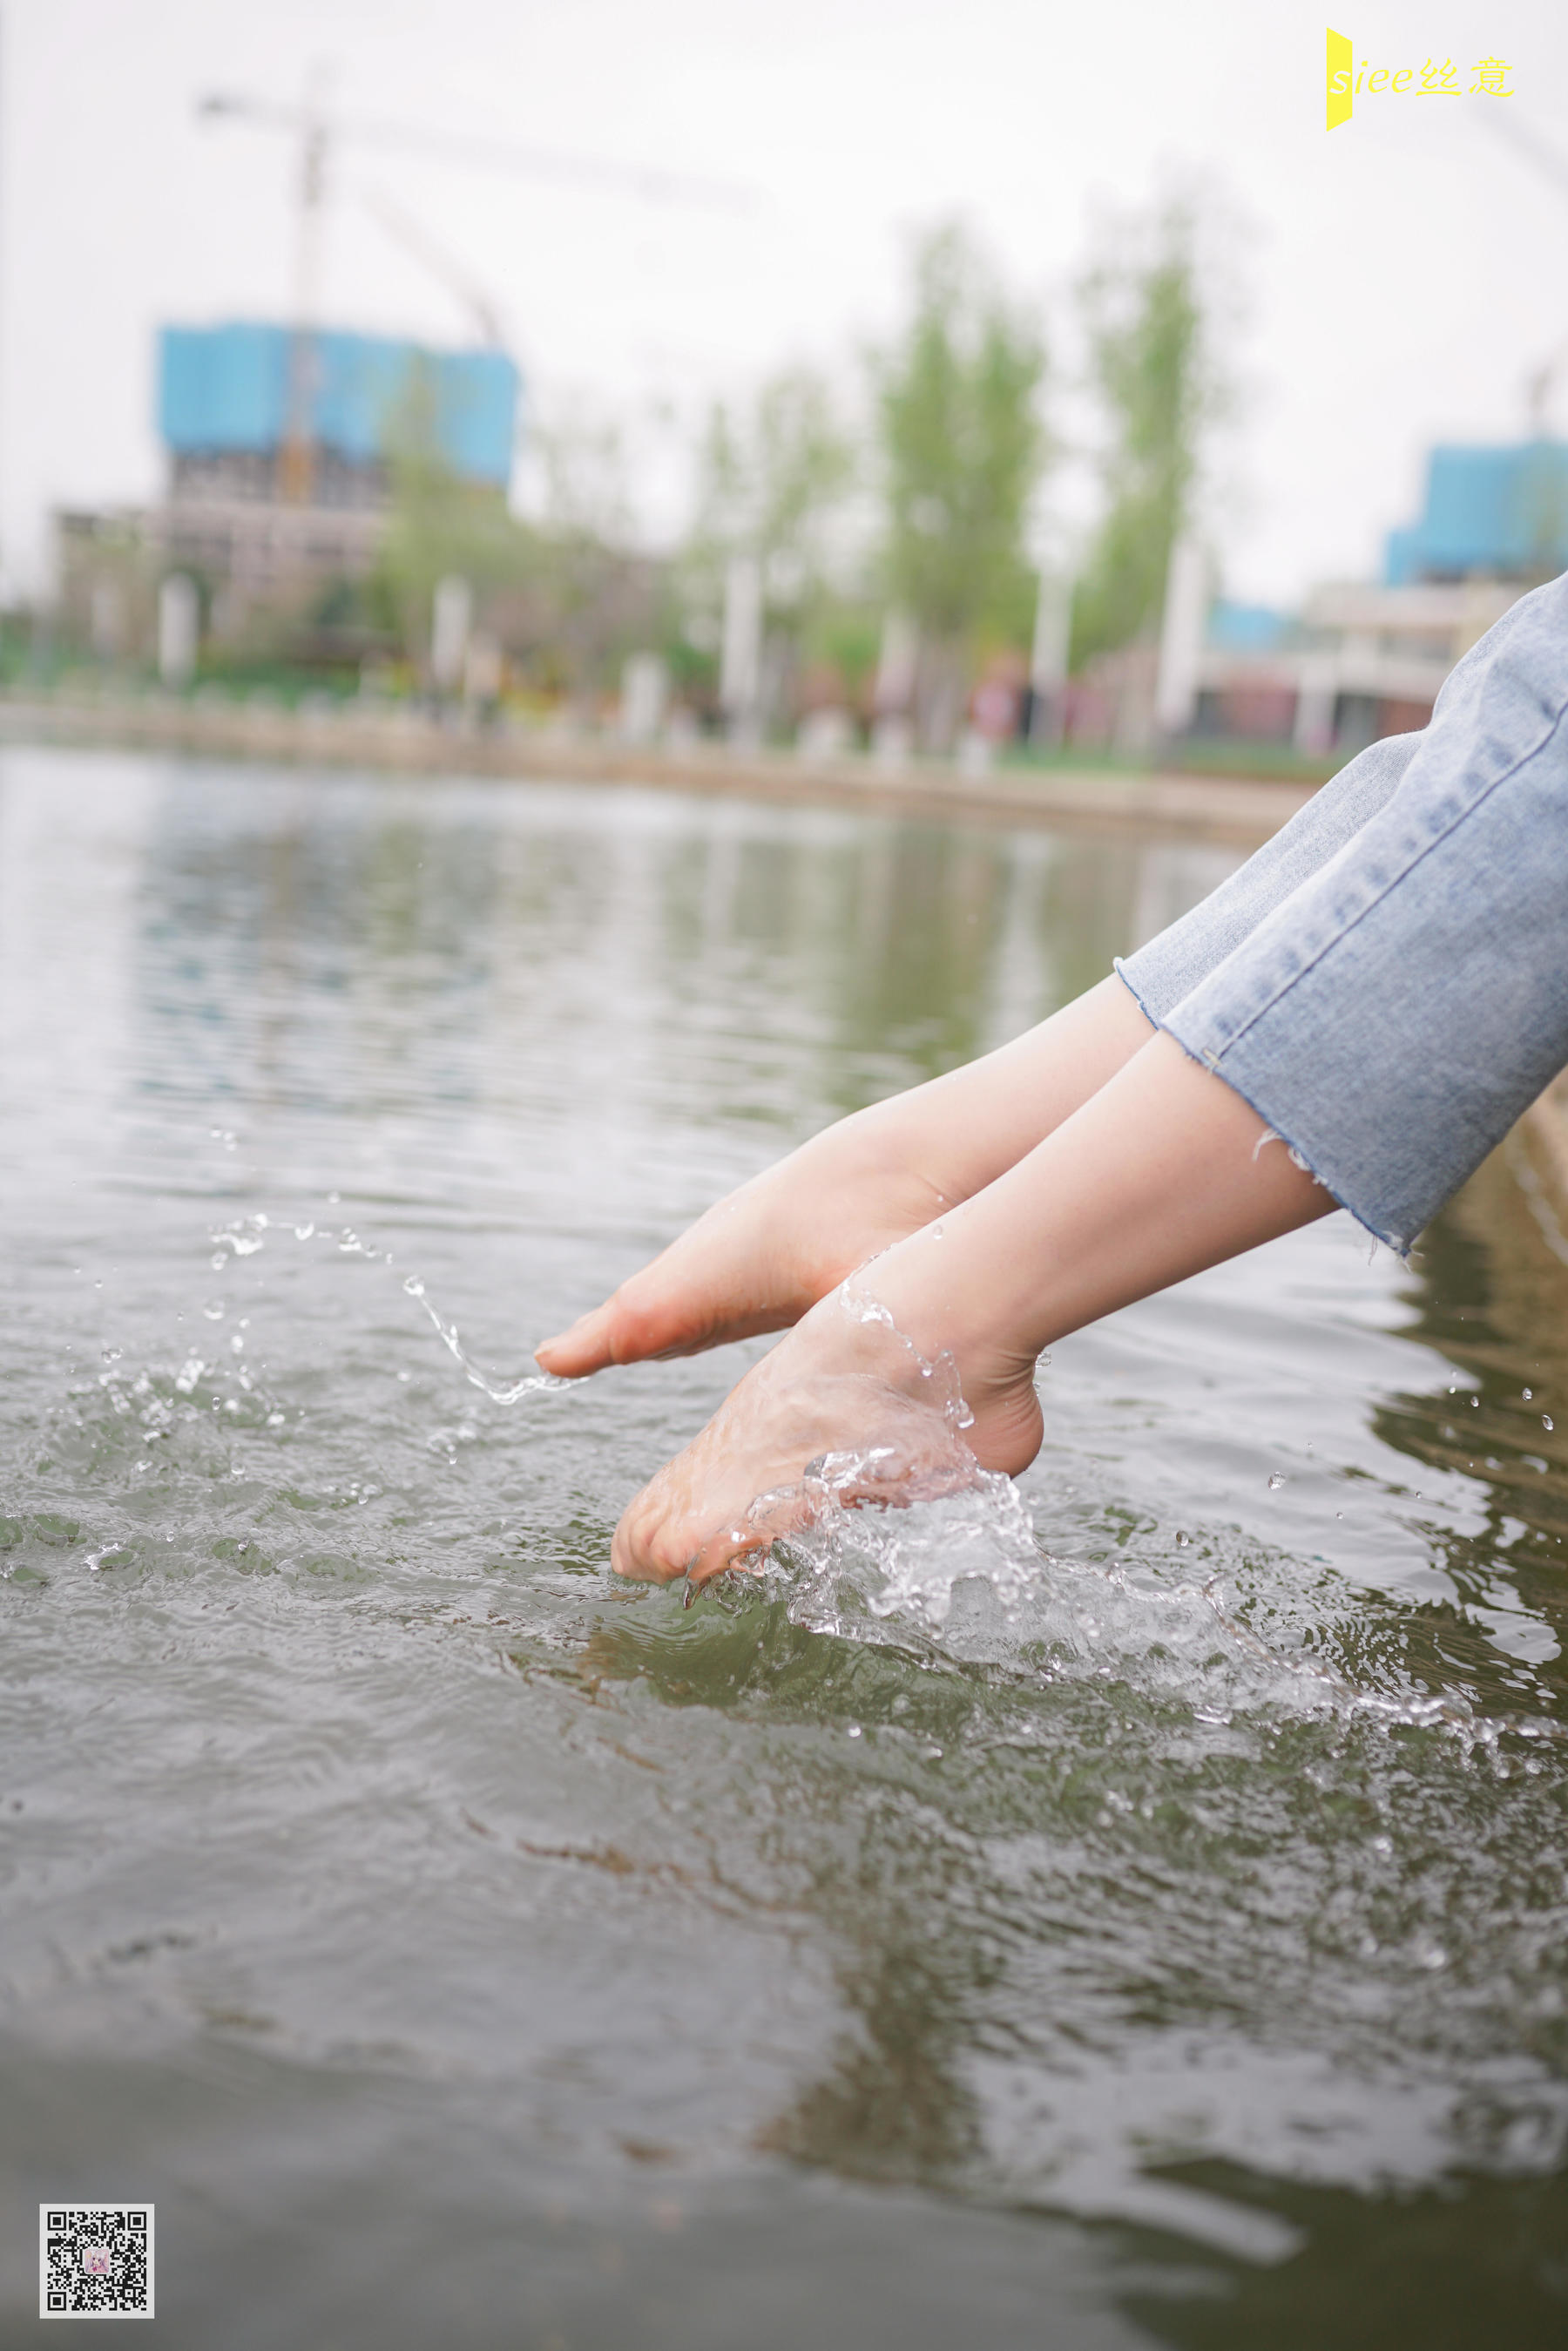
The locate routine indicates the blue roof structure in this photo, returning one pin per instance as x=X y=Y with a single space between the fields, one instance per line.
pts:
x=1246 y=628
x=1500 y=512
x=226 y=389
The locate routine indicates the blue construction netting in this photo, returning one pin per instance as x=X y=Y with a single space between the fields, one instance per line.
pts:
x=227 y=388
x=1246 y=628
x=1500 y=512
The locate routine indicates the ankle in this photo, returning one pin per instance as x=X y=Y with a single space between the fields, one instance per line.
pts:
x=922 y=1326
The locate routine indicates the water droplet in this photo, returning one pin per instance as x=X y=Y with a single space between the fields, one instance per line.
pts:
x=1546 y=1420
x=112 y=1354
x=855 y=1731
x=219 y=1261
x=1527 y=1394
x=214 y=1310
x=1183 y=1542
x=1276 y=1480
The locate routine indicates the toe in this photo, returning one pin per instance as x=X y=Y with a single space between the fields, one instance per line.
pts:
x=647 y=1543
x=585 y=1347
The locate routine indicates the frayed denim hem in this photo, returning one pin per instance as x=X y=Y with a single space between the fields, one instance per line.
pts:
x=1273 y=1132
x=1119 y=966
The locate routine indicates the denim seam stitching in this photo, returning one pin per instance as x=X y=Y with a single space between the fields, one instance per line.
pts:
x=1404 y=874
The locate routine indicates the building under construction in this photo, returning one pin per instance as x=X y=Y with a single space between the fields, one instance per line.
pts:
x=281 y=445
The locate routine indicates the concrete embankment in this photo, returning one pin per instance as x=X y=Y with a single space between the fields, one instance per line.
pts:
x=1214 y=809
x=1542 y=1135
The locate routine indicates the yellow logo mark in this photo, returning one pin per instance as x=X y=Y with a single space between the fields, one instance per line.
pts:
x=1340 y=56
x=1346 y=84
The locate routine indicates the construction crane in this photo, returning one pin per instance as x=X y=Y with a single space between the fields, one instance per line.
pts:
x=441 y=264
x=1553 y=165
x=320 y=134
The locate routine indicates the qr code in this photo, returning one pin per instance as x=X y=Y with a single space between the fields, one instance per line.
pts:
x=95 y=2261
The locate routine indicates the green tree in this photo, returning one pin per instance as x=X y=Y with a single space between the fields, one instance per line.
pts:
x=775 y=479
x=963 y=447
x=439 y=524
x=772 y=482
x=1150 y=322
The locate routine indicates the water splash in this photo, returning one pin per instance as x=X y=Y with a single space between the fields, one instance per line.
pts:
x=498 y=1391
x=948 y=1560
x=891 y=1529
x=248 y=1235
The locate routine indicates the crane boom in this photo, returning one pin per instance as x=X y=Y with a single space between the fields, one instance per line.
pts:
x=441 y=264
x=485 y=154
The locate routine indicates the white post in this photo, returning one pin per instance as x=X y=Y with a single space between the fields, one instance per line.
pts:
x=893 y=697
x=1048 y=658
x=1317 y=691
x=450 y=619
x=1181 y=637
x=178 y=622
x=740 y=651
x=644 y=692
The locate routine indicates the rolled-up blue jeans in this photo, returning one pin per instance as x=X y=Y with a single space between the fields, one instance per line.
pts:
x=1386 y=981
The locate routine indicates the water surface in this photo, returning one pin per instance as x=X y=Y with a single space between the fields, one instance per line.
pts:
x=1159 y=1941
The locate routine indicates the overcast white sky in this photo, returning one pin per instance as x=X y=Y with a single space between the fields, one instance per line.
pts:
x=1407 y=270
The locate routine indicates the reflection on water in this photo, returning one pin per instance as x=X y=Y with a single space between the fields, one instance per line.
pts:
x=1144 y=1924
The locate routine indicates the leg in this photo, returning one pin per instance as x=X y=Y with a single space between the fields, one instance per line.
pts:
x=1159 y=1175
x=759 y=1259
x=763 y=1258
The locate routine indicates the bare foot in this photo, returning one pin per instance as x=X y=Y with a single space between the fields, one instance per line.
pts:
x=762 y=1258
x=846 y=1410
x=1157 y=1176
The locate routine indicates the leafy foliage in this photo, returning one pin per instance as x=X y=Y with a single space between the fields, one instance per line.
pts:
x=1152 y=365
x=963 y=447
x=772 y=482
x=439 y=524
